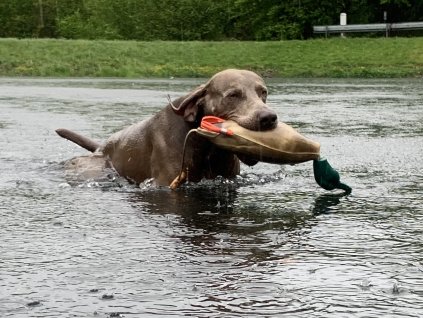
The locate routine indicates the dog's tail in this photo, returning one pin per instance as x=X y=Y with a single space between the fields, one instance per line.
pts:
x=82 y=141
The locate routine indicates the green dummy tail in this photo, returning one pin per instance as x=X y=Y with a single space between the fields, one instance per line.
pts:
x=327 y=177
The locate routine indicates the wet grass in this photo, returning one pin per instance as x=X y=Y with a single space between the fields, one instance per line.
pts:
x=335 y=57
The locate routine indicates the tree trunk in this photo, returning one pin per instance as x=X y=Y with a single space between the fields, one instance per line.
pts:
x=41 y=22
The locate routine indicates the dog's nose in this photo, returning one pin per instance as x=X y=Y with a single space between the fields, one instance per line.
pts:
x=267 y=120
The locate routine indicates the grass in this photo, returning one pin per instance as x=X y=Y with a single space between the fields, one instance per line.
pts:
x=335 y=57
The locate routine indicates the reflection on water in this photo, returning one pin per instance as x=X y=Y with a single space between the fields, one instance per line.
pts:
x=270 y=243
x=325 y=202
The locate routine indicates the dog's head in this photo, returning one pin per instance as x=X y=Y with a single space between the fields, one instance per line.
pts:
x=238 y=95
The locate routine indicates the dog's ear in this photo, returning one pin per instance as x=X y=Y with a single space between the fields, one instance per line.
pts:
x=188 y=106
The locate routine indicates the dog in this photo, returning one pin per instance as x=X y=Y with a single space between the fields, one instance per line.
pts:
x=154 y=148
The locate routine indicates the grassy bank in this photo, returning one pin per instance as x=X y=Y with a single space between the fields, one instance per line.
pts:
x=336 y=57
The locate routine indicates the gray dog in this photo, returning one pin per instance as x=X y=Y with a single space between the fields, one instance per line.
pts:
x=153 y=148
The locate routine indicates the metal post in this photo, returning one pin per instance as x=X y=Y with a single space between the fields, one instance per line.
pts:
x=343 y=21
x=385 y=18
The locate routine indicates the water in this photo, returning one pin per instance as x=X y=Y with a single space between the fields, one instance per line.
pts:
x=270 y=243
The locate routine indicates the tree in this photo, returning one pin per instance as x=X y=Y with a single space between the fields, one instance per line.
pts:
x=191 y=19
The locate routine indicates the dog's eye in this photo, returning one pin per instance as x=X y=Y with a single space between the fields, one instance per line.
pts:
x=234 y=94
x=264 y=95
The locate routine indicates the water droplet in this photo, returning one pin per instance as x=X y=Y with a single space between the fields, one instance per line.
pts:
x=107 y=296
x=34 y=303
x=365 y=284
x=395 y=289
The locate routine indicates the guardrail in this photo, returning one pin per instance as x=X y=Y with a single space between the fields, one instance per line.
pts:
x=374 y=27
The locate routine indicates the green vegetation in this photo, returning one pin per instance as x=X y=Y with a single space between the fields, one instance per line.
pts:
x=187 y=20
x=336 y=57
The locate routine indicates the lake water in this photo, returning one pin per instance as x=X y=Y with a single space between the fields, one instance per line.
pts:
x=270 y=243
